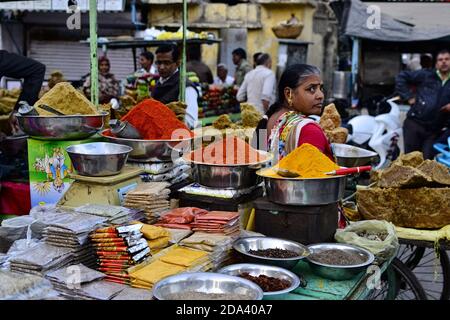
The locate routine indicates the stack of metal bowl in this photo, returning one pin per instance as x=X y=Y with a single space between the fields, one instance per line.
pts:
x=152 y=150
x=304 y=192
x=207 y=284
x=64 y=127
x=244 y=245
x=98 y=159
x=233 y=176
x=256 y=270
x=339 y=272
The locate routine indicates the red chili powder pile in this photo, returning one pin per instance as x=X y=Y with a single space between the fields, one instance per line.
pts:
x=154 y=121
x=232 y=150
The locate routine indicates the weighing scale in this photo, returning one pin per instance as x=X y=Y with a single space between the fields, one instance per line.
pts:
x=100 y=190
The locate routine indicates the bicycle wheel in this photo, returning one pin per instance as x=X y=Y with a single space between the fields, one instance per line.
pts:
x=398 y=283
x=432 y=273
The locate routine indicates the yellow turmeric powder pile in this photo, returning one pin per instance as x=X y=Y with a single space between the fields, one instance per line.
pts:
x=307 y=161
x=64 y=98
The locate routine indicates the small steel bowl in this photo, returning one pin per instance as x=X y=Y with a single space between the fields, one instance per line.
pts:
x=234 y=176
x=244 y=245
x=297 y=191
x=152 y=150
x=72 y=127
x=98 y=159
x=351 y=156
x=206 y=282
x=339 y=272
x=256 y=270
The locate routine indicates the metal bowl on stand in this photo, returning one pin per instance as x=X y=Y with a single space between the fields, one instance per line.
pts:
x=152 y=150
x=297 y=191
x=207 y=284
x=98 y=159
x=70 y=127
x=244 y=245
x=351 y=156
x=339 y=272
x=234 y=176
x=256 y=270
x=12 y=145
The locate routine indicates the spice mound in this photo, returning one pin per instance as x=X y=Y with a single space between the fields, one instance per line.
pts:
x=194 y=295
x=155 y=121
x=274 y=253
x=63 y=97
x=337 y=257
x=228 y=151
x=307 y=161
x=267 y=284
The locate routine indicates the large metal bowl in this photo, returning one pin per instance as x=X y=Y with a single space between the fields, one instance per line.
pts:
x=243 y=246
x=98 y=159
x=351 y=156
x=206 y=282
x=152 y=150
x=296 y=191
x=73 y=127
x=238 y=176
x=256 y=270
x=339 y=272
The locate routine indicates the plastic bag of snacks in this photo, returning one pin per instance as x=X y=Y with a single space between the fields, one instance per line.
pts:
x=377 y=236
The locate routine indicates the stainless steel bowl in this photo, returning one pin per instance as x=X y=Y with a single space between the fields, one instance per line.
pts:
x=153 y=150
x=98 y=159
x=339 y=272
x=228 y=176
x=351 y=156
x=74 y=127
x=256 y=270
x=243 y=246
x=206 y=282
x=295 y=191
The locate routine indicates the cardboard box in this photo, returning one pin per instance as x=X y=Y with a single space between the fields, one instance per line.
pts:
x=49 y=167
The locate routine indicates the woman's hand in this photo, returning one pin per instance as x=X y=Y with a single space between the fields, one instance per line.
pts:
x=14 y=123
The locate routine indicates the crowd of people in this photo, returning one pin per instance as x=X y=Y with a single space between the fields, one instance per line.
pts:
x=427 y=90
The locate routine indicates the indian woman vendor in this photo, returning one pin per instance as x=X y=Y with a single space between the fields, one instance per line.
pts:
x=300 y=94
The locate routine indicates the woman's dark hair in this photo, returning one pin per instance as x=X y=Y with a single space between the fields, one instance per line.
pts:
x=148 y=55
x=292 y=77
x=171 y=47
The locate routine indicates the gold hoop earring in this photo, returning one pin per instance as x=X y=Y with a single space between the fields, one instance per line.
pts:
x=290 y=103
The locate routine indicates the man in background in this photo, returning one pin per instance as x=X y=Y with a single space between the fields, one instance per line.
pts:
x=259 y=85
x=167 y=88
x=242 y=65
x=428 y=116
x=194 y=64
x=222 y=78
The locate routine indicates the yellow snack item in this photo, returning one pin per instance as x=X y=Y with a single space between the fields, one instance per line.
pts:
x=183 y=256
x=158 y=243
x=155 y=271
x=153 y=232
x=64 y=98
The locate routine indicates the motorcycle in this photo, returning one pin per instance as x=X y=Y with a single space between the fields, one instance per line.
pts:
x=382 y=133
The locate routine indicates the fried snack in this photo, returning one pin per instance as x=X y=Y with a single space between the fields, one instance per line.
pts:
x=250 y=116
x=223 y=122
x=327 y=124
x=338 y=135
x=330 y=112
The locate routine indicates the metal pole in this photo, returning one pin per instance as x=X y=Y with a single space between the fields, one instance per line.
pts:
x=93 y=43
x=183 y=55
